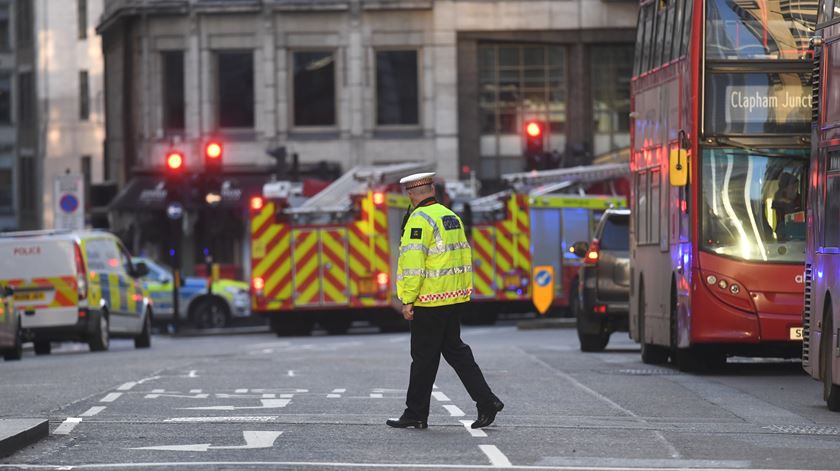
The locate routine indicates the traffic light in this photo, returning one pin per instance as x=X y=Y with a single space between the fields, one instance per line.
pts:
x=213 y=151
x=534 y=138
x=174 y=163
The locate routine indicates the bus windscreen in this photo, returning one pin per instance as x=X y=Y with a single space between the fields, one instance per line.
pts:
x=759 y=29
x=752 y=204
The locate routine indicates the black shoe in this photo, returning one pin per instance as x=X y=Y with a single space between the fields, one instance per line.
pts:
x=487 y=415
x=403 y=422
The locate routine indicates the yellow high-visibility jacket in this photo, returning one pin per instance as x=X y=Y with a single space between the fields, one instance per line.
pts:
x=435 y=264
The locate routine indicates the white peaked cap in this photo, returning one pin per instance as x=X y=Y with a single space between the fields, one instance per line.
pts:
x=418 y=179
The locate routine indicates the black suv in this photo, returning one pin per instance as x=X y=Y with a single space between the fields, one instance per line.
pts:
x=601 y=302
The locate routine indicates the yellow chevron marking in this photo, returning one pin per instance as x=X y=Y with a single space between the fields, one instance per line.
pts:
x=274 y=253
x=114 y=283
x=262 y=217
x=334 y=241
x=272 y=279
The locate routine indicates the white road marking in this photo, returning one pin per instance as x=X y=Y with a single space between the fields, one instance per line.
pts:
x=496 y=457
x=127 y=386
x=195 y=391
x=282 y=396
x=150 y=378
x=453 y=410
x=440 y=396
x=67 y=426
x=320 y=464
x=155 y=395
x=333 y=396
x=253 y=440
x=192 y=374
x=291 y=373
x=399 y=339
x=339 y=391
x=231 y=419
x=336 y=393
x=92 y=411
x=475 y=432
x=111 y=397
x=672 y=450
x=241 y=391
x=266 y=404
x=375 y=395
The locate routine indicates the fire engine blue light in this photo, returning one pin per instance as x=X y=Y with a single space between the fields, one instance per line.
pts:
x=171 y=252
x=519 y=292
x=206 y=251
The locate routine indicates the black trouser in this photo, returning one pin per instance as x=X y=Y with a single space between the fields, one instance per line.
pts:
x=436 y=331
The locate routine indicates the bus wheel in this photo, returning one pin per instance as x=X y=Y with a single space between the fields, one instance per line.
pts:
x=651 y=354
x=831 y=392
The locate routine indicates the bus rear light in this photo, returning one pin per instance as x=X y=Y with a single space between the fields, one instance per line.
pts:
x=593 y=254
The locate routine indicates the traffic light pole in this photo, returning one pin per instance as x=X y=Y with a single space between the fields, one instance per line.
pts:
x=175 y=263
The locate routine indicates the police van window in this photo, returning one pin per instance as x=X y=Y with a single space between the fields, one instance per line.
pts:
x=102 y=255
x=125 y=260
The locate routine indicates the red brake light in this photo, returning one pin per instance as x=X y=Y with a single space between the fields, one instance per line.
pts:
x=593 y=254
x=257 y=203
x=81 y=273
x=174 y=160
x=378 y=198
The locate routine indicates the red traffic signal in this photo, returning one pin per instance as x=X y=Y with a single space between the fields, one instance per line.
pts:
x=534 y=138
x=213 y=151
x=174 y=161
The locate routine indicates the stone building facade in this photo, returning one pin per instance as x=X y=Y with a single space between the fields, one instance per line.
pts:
x=362 y=81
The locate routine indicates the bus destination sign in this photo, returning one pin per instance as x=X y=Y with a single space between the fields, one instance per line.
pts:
x=757 y=103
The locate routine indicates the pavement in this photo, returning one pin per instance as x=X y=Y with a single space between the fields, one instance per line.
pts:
x=17 y=434
x=263 y=402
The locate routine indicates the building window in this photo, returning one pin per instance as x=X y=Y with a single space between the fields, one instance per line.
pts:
x=81 y=7
x=611 y=69
x=84 y=96
x=26 y=183
x=6 y=190
x=4 y=27
x=397 y=96
x=23 y=22
x=5 y=98
x=173 y=90
x=519 y=83
x=235 y=71
x=314 y=88
x=26 y=99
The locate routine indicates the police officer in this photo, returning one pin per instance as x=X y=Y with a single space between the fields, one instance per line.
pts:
x=434 y=283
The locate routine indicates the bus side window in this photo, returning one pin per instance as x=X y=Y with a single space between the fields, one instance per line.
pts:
x=831 y=228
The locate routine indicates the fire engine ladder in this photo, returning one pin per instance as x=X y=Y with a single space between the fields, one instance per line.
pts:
x=543 y=182
x=336 y=197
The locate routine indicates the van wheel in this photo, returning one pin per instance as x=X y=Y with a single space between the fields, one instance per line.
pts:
x=42 y=347
x=101 y=338
x=16 y=352
x=831 y=392
x=144 y=340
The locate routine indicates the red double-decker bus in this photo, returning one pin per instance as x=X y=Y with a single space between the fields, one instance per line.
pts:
x=721 y=105
x=821 y=317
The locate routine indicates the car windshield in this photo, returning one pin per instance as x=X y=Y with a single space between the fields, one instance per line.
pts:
x=157 y=273
x=616 y=235
x=753 y=204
